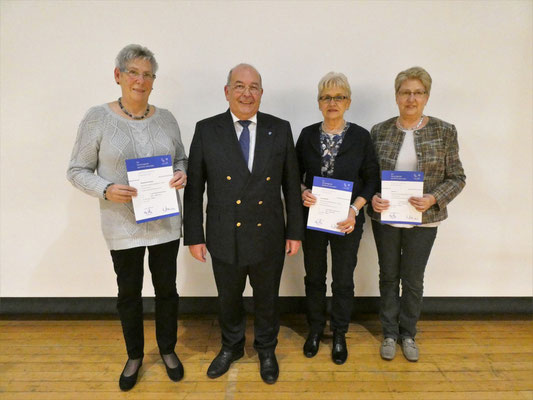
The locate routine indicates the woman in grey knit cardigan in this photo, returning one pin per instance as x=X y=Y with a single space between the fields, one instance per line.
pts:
x=108 y=135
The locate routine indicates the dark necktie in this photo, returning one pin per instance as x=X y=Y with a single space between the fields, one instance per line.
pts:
x=244 y=139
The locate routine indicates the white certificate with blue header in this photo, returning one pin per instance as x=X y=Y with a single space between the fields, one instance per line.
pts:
x=155 y=198
x=397 y=187
x=332 y=204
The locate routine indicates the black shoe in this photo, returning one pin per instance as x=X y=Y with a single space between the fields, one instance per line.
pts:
x=127 y=382
x=269 y=367
x=176 y=373
x=339 y=352
x=311 y=344
x=221 y=363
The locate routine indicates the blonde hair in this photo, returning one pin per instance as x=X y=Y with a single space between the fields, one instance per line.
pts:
x=413 y=73
x=334 y=80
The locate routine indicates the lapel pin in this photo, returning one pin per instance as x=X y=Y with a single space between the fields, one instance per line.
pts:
x=269 y=133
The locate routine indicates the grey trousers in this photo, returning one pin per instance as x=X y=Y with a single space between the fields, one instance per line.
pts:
x=403 y=254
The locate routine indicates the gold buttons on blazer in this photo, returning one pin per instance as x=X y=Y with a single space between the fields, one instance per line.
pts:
x=260 y=202
x=228 y=178
x=238 y=224
x=238 y=202
x=259 y=224
x=268 y=178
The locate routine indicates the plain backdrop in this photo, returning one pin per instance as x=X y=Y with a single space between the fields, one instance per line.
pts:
x=57 y=60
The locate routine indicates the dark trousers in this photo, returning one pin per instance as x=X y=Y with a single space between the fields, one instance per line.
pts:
x=403 y=254
x=343 y=261
x=129 y=267
x=264 y=279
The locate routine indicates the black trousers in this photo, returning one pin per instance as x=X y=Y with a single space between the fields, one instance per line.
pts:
x=403 y=255
x=265 y=279
x=129 y=267
x=343 y=261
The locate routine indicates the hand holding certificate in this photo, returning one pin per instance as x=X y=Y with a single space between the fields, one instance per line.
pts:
x=397 y=187
x=155 y=198
x=332 y=205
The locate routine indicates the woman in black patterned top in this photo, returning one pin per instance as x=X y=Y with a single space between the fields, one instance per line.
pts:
x=411 y=142
x=334 y=148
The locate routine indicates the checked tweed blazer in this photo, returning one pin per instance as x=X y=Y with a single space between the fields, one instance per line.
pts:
x=437 y=152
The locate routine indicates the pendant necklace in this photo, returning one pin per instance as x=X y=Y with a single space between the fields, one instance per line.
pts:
x=410 y=129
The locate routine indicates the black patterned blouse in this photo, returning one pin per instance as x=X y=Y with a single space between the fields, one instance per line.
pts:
x=329 y=145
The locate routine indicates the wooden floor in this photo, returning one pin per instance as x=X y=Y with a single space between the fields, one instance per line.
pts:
x=488 y=358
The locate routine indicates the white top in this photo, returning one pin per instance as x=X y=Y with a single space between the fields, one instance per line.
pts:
x=407 y=161
x=407 y=155
x=253 y=129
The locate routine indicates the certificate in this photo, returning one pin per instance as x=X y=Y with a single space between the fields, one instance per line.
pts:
x=155 y=198
x=397 y=187
x=332 y=204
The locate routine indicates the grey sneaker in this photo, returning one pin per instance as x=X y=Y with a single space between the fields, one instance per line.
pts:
x=410 y=349
x=388 y=349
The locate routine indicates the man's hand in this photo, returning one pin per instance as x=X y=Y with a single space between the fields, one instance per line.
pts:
x=198 y=251
x=292 y=246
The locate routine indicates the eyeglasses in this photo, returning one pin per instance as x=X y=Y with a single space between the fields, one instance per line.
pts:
x=405 y=94
x=147 y=76
x=240 y=88
x=336 y=99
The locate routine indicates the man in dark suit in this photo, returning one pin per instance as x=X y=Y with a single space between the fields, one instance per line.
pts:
x=246 y=158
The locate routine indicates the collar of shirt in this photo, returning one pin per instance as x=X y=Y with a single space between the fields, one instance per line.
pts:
x=237 y=125
x=252 y=128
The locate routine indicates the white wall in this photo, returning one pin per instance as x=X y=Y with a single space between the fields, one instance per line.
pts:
x=57 y=61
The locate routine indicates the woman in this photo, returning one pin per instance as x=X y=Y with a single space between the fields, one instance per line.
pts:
x=411 y=142
x=108 y=135
x=334 y=148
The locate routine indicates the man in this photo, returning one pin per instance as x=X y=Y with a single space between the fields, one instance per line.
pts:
x=246 y=158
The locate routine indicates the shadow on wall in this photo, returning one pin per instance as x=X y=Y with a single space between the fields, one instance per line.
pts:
x=78 y=263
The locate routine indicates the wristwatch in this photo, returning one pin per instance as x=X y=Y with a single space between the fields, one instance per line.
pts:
x=355 y=209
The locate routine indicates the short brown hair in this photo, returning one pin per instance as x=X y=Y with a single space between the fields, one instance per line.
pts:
x=413 y=73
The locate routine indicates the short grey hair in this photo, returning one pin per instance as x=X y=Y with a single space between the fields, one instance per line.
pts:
x=247 y=66
x=334 y=80
x=133 y=51
x=413 y=73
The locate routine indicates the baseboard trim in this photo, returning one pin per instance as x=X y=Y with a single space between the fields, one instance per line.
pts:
x=208 y=305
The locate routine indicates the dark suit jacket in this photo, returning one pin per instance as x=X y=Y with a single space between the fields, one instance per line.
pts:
x=355 y=161
x=245 y=215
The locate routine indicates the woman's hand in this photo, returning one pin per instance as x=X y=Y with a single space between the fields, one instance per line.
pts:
x=422 y=204
x=308 y=198
x=378 y=204
x=120 y=193
x=348 y=225
x=179 y=180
